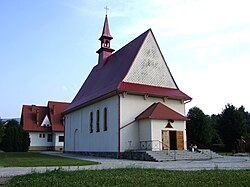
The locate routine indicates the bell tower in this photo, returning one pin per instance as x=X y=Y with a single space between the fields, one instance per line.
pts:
x=105 y=51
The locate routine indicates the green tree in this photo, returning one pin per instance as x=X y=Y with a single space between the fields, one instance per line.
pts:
x=1 y=131
x=15 y=139
x=231 y=125
x=199 y=129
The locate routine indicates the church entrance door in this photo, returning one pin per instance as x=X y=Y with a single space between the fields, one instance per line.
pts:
x=165 y=140
x=172 y=140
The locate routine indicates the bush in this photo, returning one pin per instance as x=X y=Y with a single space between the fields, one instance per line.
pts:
x=15 y=139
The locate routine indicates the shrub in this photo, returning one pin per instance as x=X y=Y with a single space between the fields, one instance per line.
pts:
x=15 y=139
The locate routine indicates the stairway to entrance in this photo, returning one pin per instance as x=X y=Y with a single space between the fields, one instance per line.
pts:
x=171 y=155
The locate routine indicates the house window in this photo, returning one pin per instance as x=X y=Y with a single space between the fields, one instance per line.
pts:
x=41 y=135
x=97 y=121
x=91 y=122
x=105 y=127
x=61 y=138
x=49 y=138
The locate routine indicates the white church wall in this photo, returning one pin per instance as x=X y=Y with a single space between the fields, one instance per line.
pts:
x=129 y=137
x=102 y=141
x=131 y=107
x=149 y=67
x=145 y=134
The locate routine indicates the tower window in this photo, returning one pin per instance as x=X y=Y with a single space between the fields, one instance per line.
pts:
x=97 y=121
x=105 y=125
x=91 y=122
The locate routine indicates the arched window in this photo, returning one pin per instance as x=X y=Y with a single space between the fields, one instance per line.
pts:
x=97 y=121
x=91 y=122
x=105 y=115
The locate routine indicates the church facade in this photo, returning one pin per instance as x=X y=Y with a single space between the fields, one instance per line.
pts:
x=130 y=101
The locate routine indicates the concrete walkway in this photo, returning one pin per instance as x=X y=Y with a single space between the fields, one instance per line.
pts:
x=227 y=163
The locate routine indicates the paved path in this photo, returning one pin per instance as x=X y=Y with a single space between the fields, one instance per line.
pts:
x=227 y=163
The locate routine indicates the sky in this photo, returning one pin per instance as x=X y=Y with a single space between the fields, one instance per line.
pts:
x=48 y=47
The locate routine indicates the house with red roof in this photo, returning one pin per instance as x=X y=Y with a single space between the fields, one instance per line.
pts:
x=129 y=102
x=45 y=125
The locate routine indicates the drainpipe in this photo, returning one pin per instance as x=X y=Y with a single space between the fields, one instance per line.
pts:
x=119 y=129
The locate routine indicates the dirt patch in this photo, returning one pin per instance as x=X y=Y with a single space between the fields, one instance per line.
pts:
x=3 y=180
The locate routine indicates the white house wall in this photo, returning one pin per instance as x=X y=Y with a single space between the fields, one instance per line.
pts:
x=133 y=105
x=77 y=128
x=56 y=138
x=35 y=139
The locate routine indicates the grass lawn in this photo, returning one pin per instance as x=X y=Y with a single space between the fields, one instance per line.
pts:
x=134 y=177
x=32 y=159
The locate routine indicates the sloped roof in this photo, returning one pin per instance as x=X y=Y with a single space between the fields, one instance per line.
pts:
x=106 y=79
x=109 y=78
x=33 y=116
x=56 y=118
x=160 y=111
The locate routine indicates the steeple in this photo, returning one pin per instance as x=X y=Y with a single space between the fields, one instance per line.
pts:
x=105 y=51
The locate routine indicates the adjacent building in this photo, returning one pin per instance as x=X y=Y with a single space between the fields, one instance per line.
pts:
x=45 y=125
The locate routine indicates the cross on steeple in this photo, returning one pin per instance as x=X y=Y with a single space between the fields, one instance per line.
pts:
x=106 y=8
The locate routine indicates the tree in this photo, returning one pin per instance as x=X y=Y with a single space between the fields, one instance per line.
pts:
x=199 y=129
x=1 y=132
x=231 y=125
x=15 y=139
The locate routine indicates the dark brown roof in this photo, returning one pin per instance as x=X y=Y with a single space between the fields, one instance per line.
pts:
x=160 y=111
x=33 y=116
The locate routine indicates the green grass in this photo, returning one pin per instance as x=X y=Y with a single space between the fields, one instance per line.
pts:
x=134 y=177
x=33 y=159
x=225 y=153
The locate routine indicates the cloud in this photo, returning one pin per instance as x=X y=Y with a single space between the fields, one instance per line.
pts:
x=64 y=88
x=174 y=18
x=212 y=88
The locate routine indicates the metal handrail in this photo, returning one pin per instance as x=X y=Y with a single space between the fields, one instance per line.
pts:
x=152 y=144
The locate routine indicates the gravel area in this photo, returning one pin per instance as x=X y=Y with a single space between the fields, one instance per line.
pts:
x=227 y=163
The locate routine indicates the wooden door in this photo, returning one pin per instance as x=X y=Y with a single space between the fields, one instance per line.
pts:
x=165 y=140
x=173 y=140
x=180 y=140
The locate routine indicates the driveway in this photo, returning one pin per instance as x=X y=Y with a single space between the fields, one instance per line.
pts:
x=225 y=163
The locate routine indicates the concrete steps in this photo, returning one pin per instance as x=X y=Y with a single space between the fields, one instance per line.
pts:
x=170 y=155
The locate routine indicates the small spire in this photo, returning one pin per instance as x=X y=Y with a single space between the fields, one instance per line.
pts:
x=105 y=31
x=105 y=51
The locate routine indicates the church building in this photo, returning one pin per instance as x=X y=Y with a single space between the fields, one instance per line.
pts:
x=129 y=102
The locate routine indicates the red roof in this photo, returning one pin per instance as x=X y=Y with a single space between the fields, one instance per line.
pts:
x=33 y=116
x=109 y=78
x=105 y=31
x=153 y=90
x=160 y=111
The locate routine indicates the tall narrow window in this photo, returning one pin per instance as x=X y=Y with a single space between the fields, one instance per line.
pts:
x=97 y=121
x=105 y=126
x=91 y=122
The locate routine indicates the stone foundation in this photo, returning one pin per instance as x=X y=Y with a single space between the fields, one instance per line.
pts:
x=123 y=155
x=46 y=148
x=97 y=154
